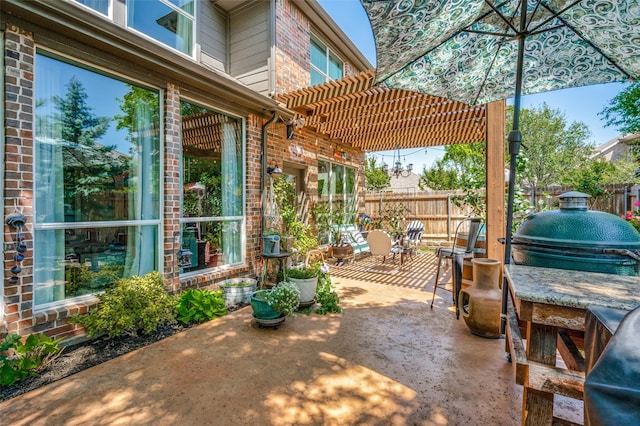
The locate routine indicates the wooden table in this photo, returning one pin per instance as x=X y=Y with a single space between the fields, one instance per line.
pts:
x=549 y=307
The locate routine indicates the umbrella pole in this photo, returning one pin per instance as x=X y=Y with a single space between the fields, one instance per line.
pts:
x=515 y=140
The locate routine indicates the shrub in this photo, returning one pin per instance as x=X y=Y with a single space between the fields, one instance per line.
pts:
x=131 y=305
x=196 y=306
x=326 y=295
x=25 y=359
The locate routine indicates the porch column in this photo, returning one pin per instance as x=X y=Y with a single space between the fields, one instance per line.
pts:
x=495 y=179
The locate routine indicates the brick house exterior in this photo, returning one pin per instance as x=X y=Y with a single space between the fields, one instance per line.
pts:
x=73 y=34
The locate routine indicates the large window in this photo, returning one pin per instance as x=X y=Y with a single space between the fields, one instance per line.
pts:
x=171 y=22
x=97 y=180
x=325 y=65
x=337 y=193
x=212 y=190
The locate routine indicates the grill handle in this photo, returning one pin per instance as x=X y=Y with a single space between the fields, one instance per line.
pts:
x=623 y=252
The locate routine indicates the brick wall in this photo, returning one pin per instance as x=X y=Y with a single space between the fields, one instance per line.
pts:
x=172 y=190
x=19 y=317
x=19 y=53
x=293 y=57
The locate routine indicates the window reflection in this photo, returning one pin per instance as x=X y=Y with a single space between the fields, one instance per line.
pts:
x=212 y=190
x=97 y=168
x=170 y=24
x=93 y=259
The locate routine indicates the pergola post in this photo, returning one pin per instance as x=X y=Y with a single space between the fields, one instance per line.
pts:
x=495 y=179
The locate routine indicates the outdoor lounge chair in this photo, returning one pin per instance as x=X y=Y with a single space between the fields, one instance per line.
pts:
x=353 y=236
x=461 y=252
x=415 y=229
x=381 y=244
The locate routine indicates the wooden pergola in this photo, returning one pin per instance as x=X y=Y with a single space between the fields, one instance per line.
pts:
x=375 y=118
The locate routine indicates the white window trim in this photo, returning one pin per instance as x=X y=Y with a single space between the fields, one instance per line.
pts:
x=109 y=14
x=109 y=73
x=328 y=53
x=243 y=219
x=166 y=46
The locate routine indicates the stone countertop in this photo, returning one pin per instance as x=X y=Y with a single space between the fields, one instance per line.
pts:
x=573 y=289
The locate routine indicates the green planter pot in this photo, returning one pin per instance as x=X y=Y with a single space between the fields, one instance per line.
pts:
x=261 y=309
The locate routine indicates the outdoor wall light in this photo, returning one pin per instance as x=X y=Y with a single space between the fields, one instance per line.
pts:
x=274 y=171
x=293 y=124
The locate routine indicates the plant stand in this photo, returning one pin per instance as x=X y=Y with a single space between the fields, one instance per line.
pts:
x=341 y=254
x=304 y=305
x=266 y=257
x=273 y=323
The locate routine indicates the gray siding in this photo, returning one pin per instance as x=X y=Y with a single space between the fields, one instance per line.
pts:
x=212 y=34
x=250 y=46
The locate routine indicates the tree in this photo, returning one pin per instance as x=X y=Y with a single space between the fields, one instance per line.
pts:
x=375 y=176
x=623 y=112
x=552 y=150
x=462 y=166
x=439 y=177
x=77 y=123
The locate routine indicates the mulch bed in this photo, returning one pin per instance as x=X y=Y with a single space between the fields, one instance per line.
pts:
x=89 y=353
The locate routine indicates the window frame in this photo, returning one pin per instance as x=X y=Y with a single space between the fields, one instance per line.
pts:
x=108 y=15
x=328 y=53
x=157 y=223
x=176 y=9
x=242 y=219
x=332 y=193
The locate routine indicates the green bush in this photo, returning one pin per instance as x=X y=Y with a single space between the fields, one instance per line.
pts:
x=200 y=305
x=25 y=359
x=326 y=295
x=131 y=305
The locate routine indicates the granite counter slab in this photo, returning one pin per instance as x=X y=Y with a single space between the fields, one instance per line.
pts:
x=573 y=289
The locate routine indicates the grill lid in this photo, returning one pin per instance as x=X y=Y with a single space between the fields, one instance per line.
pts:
x=575 y=226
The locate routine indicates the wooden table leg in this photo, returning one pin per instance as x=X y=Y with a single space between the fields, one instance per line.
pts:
x=541 y=347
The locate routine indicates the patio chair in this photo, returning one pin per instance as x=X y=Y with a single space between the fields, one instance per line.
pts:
x=381 y=244
x=415 y=229
x=461 y=252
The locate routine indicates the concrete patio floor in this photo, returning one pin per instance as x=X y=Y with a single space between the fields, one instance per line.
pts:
x=387 y=360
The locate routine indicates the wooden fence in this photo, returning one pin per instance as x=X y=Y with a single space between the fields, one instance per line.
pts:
x=440 y=215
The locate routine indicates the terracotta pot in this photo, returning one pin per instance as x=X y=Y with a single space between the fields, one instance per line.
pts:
x=480 y=303
x=342 y=252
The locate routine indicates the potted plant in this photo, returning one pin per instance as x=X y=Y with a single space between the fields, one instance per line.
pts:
x=340 y=247
x=272 y=306
x=238 y=290
x=214 y=248
x=306 y=279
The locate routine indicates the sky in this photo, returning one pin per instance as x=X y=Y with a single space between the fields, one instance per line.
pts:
x=577 y=104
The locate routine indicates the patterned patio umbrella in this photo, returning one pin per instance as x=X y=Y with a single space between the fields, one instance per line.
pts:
x=477 y=51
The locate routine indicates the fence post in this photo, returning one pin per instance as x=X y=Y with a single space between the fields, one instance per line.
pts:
x=533 y=198
x=448 y=217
